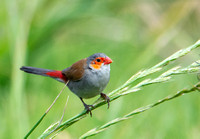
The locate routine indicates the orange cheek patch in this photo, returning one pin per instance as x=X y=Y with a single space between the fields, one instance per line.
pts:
x=96 y=66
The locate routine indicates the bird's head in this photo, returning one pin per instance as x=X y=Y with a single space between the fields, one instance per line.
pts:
x=98 y=60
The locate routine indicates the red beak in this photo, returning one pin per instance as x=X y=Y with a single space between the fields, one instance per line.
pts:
x=107 y=61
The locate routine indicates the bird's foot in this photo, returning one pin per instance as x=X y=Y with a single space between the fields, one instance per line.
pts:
x=107 y=99
x=88 y=108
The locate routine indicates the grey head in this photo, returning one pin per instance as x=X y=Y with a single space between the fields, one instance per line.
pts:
x=94 y=56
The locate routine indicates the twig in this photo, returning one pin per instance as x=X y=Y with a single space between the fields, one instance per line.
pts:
x=38 y=122
x=138 y=111
x=61 y=116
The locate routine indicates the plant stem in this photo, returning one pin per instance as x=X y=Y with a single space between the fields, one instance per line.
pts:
x=98 y=130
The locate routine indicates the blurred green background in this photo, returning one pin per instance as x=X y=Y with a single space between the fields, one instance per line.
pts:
x=135 y=34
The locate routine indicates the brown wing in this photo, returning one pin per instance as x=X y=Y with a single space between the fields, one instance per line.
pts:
x=76 y=71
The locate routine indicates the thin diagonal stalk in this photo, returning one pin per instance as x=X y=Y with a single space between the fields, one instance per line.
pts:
x=42 y=117
x=157 y=67
x=102 y=128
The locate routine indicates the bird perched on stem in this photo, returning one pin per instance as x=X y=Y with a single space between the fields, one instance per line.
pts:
x=86 y=78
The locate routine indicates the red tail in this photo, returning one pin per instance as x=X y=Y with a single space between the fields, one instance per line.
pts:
x=56 y=74
x=45 y=72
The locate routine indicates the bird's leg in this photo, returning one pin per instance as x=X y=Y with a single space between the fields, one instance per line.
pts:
x=107 y=99
x=87 y=107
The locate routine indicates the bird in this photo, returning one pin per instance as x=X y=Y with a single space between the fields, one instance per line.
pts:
x=86 y=78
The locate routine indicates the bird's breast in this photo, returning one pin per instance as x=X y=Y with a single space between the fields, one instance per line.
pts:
x=92 y=83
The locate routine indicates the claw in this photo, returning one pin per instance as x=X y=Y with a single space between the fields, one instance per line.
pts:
x=87 y=107
x=107 y=99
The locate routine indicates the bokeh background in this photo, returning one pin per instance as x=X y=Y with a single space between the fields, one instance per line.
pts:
x=135 y=34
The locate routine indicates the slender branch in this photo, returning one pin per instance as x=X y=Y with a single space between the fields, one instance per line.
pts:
x=158 y=66
x=38 y=122
x=102 y=128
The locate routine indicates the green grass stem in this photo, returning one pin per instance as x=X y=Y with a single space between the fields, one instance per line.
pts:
x=104 y=127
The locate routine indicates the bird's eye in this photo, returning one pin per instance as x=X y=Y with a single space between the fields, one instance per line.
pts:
x=98 y=60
